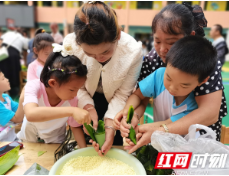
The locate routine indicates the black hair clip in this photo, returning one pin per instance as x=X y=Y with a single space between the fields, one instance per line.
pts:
x=198 y=14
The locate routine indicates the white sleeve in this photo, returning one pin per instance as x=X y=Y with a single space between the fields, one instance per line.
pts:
x=84 y=98
x=121 y=95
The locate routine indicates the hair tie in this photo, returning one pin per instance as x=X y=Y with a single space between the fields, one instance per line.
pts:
x=199 y=19
x=62 y=70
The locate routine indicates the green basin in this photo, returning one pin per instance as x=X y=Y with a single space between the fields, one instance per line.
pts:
x=90 y=151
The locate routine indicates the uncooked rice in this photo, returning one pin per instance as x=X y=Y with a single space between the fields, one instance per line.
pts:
x=96 y=165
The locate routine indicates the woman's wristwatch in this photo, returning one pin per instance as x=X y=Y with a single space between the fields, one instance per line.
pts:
x=165 y=128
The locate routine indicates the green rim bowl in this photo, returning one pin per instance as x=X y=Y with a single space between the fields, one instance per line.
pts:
x=90 y=151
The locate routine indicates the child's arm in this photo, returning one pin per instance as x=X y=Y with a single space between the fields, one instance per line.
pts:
x=34 y=113
x=79 y=136
x=19 y=115
x=134 y=100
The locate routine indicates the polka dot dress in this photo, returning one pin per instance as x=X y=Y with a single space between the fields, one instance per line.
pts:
x=152 y=62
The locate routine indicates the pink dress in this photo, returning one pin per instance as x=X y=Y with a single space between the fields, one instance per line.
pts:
x=52 y=131
x=34 y=70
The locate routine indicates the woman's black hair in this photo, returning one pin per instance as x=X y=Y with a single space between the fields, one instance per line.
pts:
x=96 y=23
x=67 y=64
x=178 y=19
x=41 y=40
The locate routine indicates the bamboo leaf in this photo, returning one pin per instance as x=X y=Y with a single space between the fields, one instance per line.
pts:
x=90 y=130
x=130 y=114
x=41 y=153
x=101 y=127
x=132 y=135
x=8 y=160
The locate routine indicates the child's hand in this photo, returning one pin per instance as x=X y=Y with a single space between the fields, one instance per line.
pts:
x=81 y=116
x=93 y=114
x=124 y=127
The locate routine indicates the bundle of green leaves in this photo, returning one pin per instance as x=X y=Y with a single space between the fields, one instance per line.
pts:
x=99 y=135
x=147 y=155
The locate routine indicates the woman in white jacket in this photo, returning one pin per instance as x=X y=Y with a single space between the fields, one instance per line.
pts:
x=113 y=59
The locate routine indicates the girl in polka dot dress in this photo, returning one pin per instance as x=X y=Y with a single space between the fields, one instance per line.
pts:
x=172 y=23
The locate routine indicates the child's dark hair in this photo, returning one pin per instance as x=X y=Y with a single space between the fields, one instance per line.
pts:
x=194 y=55
x=219 y=28
x=96 y=23
x=41 y=40
x=66 y=64
x=178 y=19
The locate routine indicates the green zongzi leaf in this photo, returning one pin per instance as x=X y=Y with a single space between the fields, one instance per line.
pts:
x=41 y=153
x=90 y=130
x=101 y=127
x=100 y=139
x=8 y=160
x=132 y=135
x=130 y=114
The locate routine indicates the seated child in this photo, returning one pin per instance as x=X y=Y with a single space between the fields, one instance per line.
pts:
x=42 y=47
x=51 y=101
x=190 y=61
x=10 y=111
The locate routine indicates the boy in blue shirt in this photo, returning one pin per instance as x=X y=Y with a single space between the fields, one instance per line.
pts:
x=190 y=61
x=10 y=111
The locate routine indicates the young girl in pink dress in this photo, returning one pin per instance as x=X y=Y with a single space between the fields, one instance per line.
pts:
x=42 y=47
x=51 y=101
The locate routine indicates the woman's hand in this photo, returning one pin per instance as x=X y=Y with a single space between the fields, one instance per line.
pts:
x=93 y=115
x=109 y=139
x=117 y=120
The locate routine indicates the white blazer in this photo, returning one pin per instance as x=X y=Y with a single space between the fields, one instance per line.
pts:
x=119 y=75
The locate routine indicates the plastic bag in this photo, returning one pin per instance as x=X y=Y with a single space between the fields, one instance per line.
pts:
x=36 y=169
x=206 y=143
x=7 y=132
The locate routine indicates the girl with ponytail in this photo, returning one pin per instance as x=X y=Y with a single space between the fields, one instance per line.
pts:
x=42 y=47
x=172 y=23
x=49 y=102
